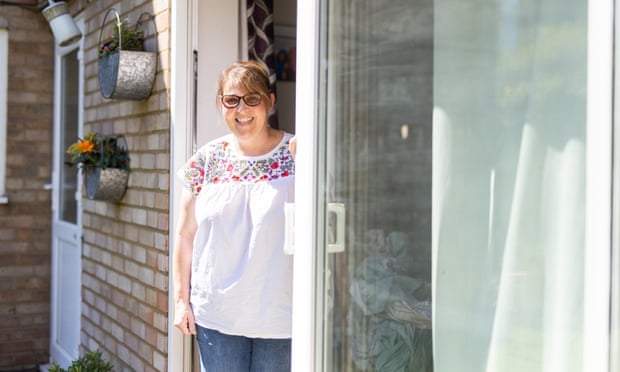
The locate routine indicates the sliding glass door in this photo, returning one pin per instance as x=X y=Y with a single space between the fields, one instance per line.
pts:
x=456 y=183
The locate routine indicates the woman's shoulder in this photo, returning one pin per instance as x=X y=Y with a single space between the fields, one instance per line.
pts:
x=283 y=145
x=286 y=139
x=287 y=136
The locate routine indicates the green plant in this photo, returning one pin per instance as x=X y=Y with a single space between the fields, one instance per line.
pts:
x=131 y=38
x=96 y=150
x=91 y=362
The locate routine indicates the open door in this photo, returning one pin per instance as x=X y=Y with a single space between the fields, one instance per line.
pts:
x=66 y=268
x=208 y=36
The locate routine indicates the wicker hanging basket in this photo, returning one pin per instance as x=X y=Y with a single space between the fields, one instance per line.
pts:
x=126 y=74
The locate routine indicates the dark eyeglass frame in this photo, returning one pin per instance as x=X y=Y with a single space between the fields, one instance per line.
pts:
x=239 y=98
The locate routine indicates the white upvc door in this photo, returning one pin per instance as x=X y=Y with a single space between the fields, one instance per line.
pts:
x=66 y=242
x=463 y=147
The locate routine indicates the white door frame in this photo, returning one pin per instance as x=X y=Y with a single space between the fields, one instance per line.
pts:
x=305 y=349
x=181 y=115
x=74 y=232
x=184 y=39
x=209 y=37
x=598 y=234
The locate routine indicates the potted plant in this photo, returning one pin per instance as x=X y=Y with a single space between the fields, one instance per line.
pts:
x=105 y=163
x=126 y=70
x=125 y=36
x=91 y=362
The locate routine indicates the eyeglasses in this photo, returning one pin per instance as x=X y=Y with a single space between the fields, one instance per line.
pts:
x=231 y=101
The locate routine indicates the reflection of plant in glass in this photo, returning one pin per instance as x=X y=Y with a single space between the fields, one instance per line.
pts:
x=100 y=151
x=131 y=38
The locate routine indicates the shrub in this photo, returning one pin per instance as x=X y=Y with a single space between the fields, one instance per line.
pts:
x=91 y=362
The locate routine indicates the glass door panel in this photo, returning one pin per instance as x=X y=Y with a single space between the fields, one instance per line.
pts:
x=509 y=184
x=451 y=185
x=377 y=135
x=69 y=129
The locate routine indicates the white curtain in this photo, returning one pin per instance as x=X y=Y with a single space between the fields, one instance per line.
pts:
x=508 y=185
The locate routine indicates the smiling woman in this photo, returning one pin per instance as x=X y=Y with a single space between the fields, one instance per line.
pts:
x=229 y=245
x=246 y=101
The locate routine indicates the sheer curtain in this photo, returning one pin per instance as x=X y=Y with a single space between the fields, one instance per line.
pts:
x=508 y=184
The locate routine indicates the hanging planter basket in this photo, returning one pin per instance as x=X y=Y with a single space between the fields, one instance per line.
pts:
x=108 y=180
x=107 y=184
x=126 y=74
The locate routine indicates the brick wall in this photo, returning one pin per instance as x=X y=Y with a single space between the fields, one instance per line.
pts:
x=25 y=220
x=125 y=250
x=125 y=259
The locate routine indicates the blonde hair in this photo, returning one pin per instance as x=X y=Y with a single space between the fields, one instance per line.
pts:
x=250 y=76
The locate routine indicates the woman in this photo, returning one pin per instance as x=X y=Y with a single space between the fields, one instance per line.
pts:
x=233 y=281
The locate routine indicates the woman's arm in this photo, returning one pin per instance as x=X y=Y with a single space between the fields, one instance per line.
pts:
x=182 y=264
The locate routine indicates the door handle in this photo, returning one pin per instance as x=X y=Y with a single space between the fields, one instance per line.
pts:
x=338 y=210
x=335 y=227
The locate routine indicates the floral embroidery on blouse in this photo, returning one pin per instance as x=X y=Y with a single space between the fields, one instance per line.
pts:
x=218 y=163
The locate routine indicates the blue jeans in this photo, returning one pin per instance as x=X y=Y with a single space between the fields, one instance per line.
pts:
x=225 y=353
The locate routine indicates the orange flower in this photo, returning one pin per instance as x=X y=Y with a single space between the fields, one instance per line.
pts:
x=85 y=146
x=97 y=150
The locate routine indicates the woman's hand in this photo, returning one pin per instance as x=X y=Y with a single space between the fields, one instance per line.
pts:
x=184 y=317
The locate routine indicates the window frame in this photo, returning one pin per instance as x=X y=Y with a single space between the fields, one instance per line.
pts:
x=598 y=233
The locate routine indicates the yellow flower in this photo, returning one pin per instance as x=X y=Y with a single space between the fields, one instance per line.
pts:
x=85 y=146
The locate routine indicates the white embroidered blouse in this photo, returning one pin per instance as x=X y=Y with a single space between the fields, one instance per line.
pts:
x=241 y=280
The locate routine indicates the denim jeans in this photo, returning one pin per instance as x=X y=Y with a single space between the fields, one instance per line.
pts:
x=226 y=353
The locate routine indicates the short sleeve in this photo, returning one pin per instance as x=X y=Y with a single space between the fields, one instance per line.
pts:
x=193 y=173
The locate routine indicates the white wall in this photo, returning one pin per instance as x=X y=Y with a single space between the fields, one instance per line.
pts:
x=218 y=46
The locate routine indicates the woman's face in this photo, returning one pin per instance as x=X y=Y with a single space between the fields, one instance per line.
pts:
x=245 y=122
